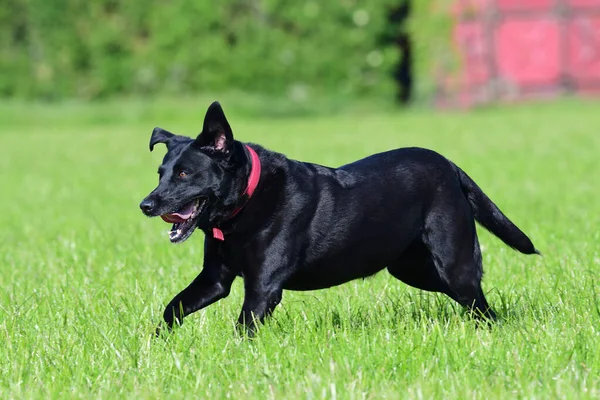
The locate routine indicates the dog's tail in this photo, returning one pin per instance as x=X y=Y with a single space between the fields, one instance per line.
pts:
x=491 y=218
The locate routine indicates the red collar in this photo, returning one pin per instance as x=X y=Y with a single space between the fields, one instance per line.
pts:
x=253 y=180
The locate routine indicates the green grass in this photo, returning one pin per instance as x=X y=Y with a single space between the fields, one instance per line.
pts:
x=84 y=276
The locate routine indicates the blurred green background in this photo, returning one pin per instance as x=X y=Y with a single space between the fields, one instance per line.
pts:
x=295 y=51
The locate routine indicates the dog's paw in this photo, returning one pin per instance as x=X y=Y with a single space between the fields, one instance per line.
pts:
x=158 y=331
x=163 y=330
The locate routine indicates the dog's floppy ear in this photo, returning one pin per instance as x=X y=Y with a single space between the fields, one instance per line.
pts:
x=159 y=135
x=216 y=132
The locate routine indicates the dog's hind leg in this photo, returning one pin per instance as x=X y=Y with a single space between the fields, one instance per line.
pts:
x=452 y=240
x=416 y=268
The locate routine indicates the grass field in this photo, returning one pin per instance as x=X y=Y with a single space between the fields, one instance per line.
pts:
x=84 y=276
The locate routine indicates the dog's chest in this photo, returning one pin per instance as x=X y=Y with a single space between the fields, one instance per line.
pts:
x=236 y=257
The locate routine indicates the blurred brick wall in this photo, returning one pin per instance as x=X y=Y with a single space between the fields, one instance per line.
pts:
x=508 y=50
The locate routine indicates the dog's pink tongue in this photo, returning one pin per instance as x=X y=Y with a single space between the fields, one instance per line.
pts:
x=179 y=216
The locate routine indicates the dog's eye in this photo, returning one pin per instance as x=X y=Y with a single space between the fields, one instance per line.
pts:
x=182 y=174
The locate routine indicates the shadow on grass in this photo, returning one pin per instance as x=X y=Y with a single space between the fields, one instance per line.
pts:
x=408 y=310
x=412 y=310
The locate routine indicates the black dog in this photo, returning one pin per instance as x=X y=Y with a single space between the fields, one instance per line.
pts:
x=284 y=224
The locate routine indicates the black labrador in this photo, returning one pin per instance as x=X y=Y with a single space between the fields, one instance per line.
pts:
x=284 y=224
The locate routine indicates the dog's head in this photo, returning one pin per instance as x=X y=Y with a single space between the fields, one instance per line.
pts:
x=200 y=179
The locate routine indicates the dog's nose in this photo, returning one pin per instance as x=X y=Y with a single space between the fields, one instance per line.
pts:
x=147 y=206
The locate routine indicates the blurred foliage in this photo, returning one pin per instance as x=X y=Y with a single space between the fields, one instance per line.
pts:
x=430 y=26
x=53 y=49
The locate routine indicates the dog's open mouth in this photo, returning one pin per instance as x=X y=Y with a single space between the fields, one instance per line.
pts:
x=184 y=221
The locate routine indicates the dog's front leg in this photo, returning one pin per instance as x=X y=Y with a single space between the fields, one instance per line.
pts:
x=263 y=286
x=211 y=285
x=259 y=303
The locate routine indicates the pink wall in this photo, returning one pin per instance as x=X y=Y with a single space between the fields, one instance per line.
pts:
x=513 y=49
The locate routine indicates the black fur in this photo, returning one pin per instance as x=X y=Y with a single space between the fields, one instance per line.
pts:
x=310 y=227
